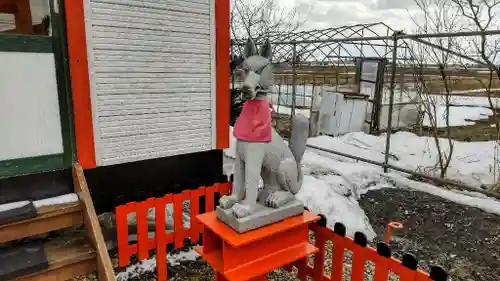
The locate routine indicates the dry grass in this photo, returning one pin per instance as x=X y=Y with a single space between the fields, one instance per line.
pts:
x=482 y=130
x=465 y=83
x=461 y=79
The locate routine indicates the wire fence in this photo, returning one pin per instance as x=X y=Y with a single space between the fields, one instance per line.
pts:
x=309 y=64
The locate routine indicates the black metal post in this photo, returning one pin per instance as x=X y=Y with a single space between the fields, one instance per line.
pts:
x=294 y=90
x=391 y=100
x=294 y=78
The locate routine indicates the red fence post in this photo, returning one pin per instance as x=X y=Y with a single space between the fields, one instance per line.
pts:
x=161 y=245
x=359 y=256
x=178 y=223
x=194 y=205
x=143 y=244
x=337 y=257
x=210 y=198
x=381 y=263
x=122 y=232
x=320 y=239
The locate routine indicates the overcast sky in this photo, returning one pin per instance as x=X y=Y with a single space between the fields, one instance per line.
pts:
x=331 y=13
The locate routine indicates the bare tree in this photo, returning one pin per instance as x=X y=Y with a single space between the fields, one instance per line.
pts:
x=482 y=16
x=434 y=86
x=256 y=20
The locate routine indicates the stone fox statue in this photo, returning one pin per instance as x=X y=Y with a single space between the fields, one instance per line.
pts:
x=260 y=151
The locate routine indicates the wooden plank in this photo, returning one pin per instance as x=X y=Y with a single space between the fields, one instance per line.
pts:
x=62 y=273
x=50 y=218
x=92 y=226
x=68 y=256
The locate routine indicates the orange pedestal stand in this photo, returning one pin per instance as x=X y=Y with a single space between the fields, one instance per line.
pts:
x=250 y=256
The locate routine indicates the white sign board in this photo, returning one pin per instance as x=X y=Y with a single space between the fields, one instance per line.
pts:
x=369 y=71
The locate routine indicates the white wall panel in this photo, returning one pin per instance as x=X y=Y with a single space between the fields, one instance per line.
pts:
x=152 y=70
x=30 y=123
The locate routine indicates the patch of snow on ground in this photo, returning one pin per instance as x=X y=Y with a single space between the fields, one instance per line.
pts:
x=459 y=116
x=63 y=199
x=58 y=200
x=149 y=265
x=482 y=202
x=13 y=205
x=321 y=198
x=331 y=188
x=138 y=269
x=177 y=258
x=472 y=162
x=332 y=184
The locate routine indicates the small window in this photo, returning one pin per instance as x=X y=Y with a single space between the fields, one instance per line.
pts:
x=25 y=17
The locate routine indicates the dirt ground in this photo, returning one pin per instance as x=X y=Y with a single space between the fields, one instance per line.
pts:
x=462 y=239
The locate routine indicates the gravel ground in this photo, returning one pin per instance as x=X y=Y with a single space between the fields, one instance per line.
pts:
x=462 y=239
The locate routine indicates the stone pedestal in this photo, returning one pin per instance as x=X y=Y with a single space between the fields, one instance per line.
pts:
x=261 y=217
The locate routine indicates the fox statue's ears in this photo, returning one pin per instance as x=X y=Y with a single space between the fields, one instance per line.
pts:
x=251 y=49
x=265 y=50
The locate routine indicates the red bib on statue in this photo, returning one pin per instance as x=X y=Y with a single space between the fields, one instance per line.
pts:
x=254 y=122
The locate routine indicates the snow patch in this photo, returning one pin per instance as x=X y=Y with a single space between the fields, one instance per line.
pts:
x=333 y=184
x=472 y=162
x=58 y=200
x=459 y=116
x=148 y=266
x=13 y=205
x=320 y=198
x=484 y=203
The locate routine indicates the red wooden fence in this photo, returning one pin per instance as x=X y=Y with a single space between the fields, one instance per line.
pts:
x=361 y=253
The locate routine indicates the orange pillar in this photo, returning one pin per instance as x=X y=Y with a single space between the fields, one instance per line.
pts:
x=251 y=256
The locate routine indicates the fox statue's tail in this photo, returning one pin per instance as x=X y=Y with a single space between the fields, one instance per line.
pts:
x=298 y=138
x=298 y=142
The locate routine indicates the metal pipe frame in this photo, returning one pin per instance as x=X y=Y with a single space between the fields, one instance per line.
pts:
x=391 y=100
x=396 y=37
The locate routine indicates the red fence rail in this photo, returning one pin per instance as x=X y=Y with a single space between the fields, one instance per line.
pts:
x=163 y=238
x=407 y=269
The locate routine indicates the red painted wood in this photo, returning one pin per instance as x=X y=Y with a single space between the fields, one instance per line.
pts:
x=222 y=60
x=80 y=84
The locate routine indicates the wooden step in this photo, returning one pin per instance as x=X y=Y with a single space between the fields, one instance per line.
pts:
x=94 y=232
x=68 y=256
x=50 y=218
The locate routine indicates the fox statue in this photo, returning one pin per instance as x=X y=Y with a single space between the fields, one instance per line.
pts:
x=260 y=150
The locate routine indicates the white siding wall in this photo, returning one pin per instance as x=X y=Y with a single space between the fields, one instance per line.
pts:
x=7 y=22
x=152 y=73
x=30 y=123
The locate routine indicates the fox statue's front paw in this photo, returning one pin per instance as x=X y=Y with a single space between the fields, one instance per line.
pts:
x=241 y=210
x=227 y=202
x=279 y=199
